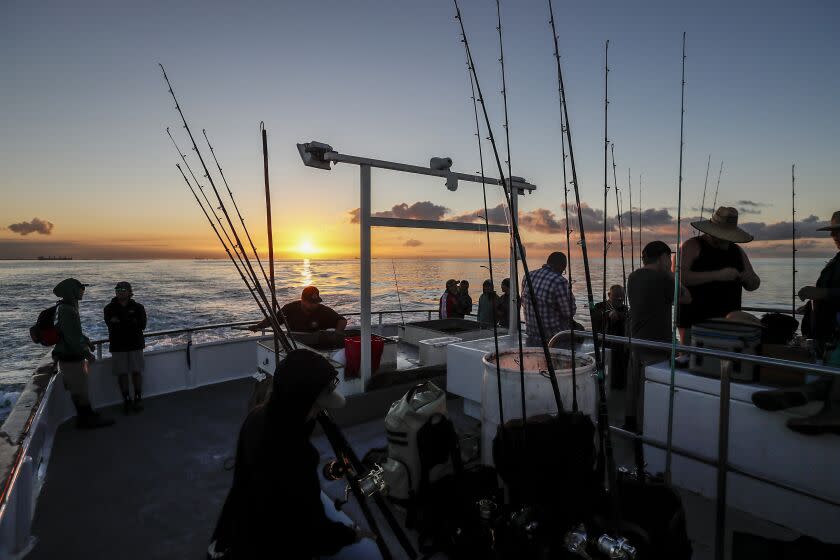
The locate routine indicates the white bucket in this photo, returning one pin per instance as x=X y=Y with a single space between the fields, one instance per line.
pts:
x=539 y=397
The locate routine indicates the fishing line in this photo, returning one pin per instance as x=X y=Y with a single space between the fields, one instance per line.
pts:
x=252 y=274
x=677 y=279
x=793 y=237
x=397 y=285
x=490 y=255
x=606 y=192
x=705 y=184
x=603 y=422
x=572 y=343
x=720 y=172
x=508 y=192
x=630 y=193
x=515 y=270
x=620 y=230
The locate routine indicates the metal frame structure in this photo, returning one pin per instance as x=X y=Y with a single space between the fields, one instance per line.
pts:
x=320 y=155
x=721 y=462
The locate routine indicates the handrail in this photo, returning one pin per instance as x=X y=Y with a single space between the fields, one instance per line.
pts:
x=721 y=354
x=212 y=326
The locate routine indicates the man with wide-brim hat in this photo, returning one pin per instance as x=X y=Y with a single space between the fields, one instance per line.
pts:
x=820 y=322
x=715 y=269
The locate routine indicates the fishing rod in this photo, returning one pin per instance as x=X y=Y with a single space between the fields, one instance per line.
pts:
x=566 y=210
x=677 y=279
x=705 y=184
x=507 y=189
x=204 y=195
x=250 y=269
x=620 y=230
x=515 y=271
x=263 y=310
x=490 y=255
x=604 y=312
x=235 y=206
x=363 y=483
x=222 y=228
x=793 y=235
x=271 y=287
x=396 y=284
x=603 y=414
x=720 y=172
x=640 y=221
x=632 y=246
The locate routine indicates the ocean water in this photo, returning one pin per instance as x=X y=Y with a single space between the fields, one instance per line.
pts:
x=179 y=293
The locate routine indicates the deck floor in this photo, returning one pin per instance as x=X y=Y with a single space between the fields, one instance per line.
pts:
x=152 y=486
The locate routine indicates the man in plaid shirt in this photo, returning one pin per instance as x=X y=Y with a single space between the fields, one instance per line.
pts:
x=553 y=299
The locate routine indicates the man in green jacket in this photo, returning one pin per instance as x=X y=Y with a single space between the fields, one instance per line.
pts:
x=73 y=352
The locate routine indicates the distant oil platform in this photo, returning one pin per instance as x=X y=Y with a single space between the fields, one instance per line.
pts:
x=54 y=258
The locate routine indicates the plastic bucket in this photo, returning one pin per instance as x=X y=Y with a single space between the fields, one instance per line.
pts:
x=539 y=397
x=353 y=354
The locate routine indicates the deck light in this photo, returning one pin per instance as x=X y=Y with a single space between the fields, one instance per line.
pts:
x=312 y=154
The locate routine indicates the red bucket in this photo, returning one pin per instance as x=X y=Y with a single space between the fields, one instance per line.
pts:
x=353 y=354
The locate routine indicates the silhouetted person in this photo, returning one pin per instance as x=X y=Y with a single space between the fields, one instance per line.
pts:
x=73 y=352
x=613 y=313
x=487 y=305
x=448 y=302
x=308 y=314
x=650 y=291
x=464 y=298
x=715 y=269
x=503 y=311
x=554 y=299
x=275 y=507
x=126 y=320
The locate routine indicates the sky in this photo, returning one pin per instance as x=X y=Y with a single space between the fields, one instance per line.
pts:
x=86 y=169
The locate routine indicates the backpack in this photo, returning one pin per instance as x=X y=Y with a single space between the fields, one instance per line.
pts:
x=421 y=412
x=44 y=331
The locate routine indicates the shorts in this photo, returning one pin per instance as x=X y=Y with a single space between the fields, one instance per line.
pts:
x=124 y=363
x=75 y=377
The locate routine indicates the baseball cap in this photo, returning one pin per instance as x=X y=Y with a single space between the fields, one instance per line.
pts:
x=311 y=294
x=123 y=286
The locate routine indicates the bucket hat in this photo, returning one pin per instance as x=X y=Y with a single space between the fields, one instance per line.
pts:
x=724 y=225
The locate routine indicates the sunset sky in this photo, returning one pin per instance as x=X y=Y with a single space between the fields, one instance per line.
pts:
x=86 y=169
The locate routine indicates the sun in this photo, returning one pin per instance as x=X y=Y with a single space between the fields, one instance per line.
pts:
x=306 y=247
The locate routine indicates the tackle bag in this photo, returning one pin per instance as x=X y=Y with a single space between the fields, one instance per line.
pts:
x=421 y=442
x=549 y=463
x=44 y=331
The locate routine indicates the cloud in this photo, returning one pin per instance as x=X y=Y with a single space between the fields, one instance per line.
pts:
x=37 y=225
x=496 y=215
x=417 y=211
x=541 y=220
x=782 y=230
x=752 y=204
x=413 y=243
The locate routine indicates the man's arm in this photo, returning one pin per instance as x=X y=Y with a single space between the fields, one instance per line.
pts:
x=690 y=252
x=749 y=278
x=142 y=318
x=341 y=325
x=261 y=325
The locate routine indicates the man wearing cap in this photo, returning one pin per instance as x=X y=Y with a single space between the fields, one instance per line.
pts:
x=73 y=352
x=715 y=269
x=307 y=314
x=448 y=303
x=126 y=321
x=650 y=291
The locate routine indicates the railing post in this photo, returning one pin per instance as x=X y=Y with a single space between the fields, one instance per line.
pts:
x=99 y=351
x=722 y=461
x=364 y=264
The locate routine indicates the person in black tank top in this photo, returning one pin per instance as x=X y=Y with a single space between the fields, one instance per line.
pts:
x=714 y=269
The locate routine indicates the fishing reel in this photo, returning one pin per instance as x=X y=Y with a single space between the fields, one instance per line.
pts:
x=370 y=484
x=577 y=542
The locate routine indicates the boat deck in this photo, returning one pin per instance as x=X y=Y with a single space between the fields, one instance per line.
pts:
x=152 y=486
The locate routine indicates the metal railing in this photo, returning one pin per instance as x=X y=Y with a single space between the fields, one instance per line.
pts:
x=213 y=326
x=721 y=463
